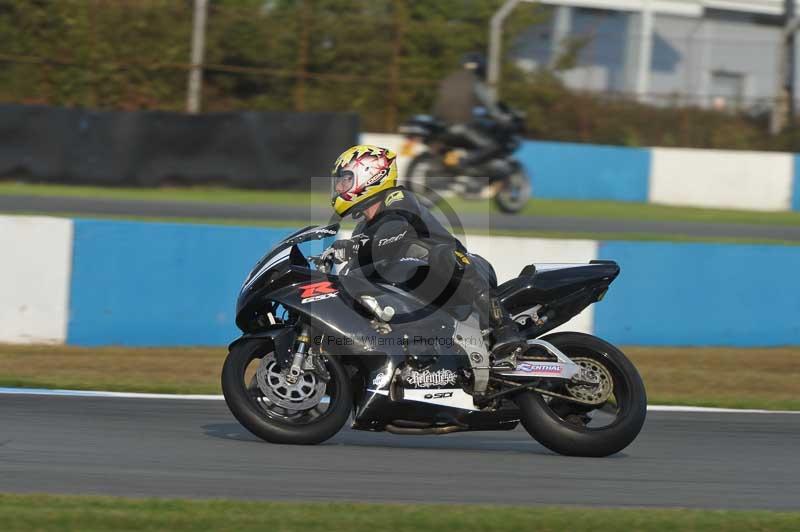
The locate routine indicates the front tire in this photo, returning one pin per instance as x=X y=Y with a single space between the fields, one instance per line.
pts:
x=565 y=427
x=246 y=402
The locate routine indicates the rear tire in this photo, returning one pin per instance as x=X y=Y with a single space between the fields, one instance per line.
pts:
x=247 y=410
x=515 y=192
x=417 y=179
x=550 y=428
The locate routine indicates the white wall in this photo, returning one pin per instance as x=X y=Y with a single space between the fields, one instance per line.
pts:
x=35 y=264
x=746 y=180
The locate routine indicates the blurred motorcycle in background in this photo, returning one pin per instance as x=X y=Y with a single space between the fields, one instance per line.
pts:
x=436 y=149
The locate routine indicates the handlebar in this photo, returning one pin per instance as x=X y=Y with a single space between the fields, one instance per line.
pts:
x=323 y=261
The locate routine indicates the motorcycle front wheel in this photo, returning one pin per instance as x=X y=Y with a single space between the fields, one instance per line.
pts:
x=603 y=428
x=307 y=412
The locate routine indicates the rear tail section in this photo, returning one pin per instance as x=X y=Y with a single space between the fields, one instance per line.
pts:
x=545 y=296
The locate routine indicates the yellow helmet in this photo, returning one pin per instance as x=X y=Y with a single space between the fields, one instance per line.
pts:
x=359 y=174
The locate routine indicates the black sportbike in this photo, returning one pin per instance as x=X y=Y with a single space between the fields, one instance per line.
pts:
x=431 y=144
x=313 y=353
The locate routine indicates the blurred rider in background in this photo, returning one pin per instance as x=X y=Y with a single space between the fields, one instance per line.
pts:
x=396 y=233
x=464 y=103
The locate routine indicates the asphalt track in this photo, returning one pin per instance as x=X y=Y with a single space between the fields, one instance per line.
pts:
x=193 y=448
x=319 y=214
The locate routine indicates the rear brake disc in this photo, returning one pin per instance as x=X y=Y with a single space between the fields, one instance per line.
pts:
x=596 y=393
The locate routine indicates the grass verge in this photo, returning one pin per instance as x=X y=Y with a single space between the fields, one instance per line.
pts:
x=45 y=512
x=297 y=224
x=537 y=206
x=720 y=377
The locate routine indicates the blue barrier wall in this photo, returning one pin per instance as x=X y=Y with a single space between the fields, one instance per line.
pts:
x=701 y=294
x=144 y=284
x=796 y=184
x=136 y=283
x=584 y=171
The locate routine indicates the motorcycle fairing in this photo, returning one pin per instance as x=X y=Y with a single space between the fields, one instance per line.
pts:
x=347 y=325
x=282 y=337
x=280 y=253
x=565 y=289
x=283 y=278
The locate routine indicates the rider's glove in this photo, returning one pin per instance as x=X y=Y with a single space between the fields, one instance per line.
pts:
x=343 y=250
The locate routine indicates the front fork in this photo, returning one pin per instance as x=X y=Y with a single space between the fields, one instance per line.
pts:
x=304 y=359
x=300 y=351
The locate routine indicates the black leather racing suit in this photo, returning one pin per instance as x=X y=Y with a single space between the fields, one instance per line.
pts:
x=405 y=244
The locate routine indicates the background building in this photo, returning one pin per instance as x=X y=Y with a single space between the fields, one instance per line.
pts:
x=719 y=53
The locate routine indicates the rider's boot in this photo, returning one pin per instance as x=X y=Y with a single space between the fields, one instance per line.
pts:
x=508 y=342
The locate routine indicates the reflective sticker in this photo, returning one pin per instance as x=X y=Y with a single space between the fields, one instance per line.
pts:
x=394 y=196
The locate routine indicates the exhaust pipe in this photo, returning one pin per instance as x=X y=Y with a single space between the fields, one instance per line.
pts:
x=445 y=429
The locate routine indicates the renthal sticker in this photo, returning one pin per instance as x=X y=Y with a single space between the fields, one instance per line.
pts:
x=317 y=292
x=529 y=367
x=428 y=379
x=391 y=239
x=380 y=380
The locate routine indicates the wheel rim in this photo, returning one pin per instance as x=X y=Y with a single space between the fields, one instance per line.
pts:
x=303 y=394
x=515 y=191
x=613 y=384
x=594 y=394
x=271 y=396
x=418 y=175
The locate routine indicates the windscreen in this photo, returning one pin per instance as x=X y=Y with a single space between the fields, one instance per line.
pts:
x=281 y=250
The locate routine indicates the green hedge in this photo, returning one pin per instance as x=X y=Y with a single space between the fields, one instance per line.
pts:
x=381 y=58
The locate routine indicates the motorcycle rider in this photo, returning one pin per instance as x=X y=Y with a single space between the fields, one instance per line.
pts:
x=395 y=229
x=462 y=100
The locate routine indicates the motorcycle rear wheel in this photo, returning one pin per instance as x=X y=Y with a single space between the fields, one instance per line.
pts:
x=247 y=403
x=418 y=179
x=565 y=427
x=514 y=193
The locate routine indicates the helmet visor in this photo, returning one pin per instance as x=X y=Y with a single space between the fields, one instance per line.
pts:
x=342 y=183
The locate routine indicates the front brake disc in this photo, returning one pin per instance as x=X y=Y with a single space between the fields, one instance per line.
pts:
x=306 y=393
